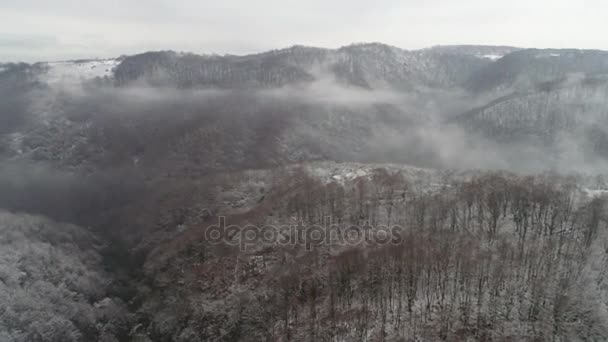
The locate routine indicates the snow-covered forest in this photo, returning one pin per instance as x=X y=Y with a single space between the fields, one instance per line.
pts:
x=53 y=286
x=479 y=172
x=486 y=256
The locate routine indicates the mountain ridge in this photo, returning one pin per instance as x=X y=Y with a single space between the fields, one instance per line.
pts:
x=361 y=102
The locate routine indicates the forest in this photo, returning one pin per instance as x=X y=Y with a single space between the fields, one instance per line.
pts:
x=483 y=257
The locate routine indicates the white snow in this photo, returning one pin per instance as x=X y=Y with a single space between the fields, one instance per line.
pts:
x=346 y=172
x=77 y=71
x=491 y=57
x=594 y=193
x=547 y=55
x=340 y=173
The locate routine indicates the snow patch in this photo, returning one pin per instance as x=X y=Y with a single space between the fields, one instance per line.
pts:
x=491 y=57
x=595 y=193
x=339 y=173
x=78 y=71
x=547 y=55
x=342 y=173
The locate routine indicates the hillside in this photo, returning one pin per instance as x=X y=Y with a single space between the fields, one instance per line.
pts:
x=485 y=165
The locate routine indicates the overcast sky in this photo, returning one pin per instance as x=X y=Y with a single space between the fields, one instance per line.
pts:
x=34 y=30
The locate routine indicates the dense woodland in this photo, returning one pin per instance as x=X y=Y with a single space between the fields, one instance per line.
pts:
x=53 y=285
x=494 y=257
x=112 y=172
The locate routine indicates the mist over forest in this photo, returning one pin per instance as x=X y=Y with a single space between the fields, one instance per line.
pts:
x=488 y=163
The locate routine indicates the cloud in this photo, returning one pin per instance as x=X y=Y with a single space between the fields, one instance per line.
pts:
x=239 y=27
x=16 y=41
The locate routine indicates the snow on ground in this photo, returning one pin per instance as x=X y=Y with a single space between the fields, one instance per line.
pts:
x=547 y=55
x=594 y=193
x=329 y=172
x=492 y=57
x=76 y=71
x=344 y=172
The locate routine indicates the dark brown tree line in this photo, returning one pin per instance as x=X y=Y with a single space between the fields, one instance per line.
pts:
x=494 y=257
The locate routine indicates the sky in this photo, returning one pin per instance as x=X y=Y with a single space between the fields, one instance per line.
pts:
x=48 y=30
